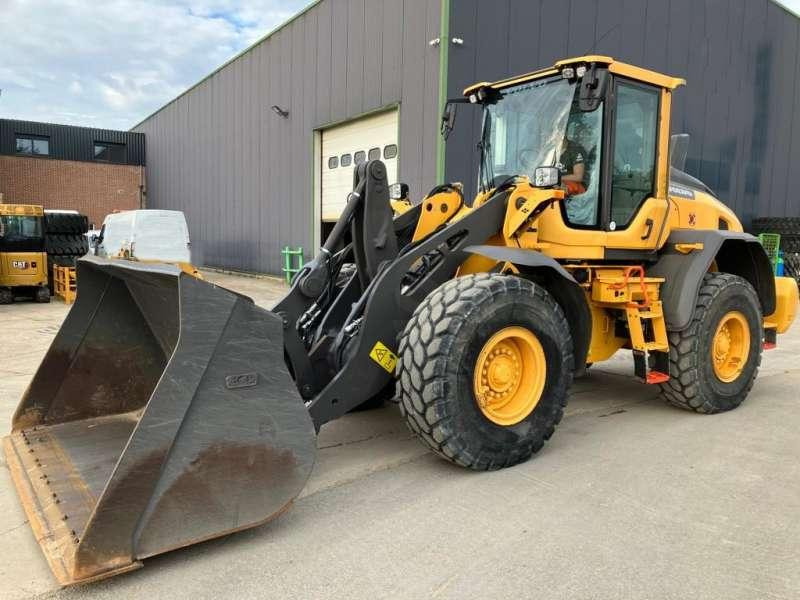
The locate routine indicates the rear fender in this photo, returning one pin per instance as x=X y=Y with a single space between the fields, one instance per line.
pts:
x=734 y=252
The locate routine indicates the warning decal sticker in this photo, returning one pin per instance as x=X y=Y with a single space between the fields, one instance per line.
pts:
x=383 y=356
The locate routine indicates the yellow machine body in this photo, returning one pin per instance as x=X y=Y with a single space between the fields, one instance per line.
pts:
x=670 y=208
x=23 y=269
x=23 y=262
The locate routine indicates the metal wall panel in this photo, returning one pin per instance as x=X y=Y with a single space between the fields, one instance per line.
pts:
x=741 y=61
x=68 y=142
x=242 y=174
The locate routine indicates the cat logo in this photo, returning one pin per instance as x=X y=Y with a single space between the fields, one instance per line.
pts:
x=19 y=264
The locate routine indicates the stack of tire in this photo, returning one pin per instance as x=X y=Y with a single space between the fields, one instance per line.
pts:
x=65 y=240
x=789 y=230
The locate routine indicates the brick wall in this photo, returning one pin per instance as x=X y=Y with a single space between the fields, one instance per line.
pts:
x=94 y=189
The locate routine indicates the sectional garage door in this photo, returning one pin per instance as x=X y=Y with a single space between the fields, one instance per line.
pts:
x=349 y=144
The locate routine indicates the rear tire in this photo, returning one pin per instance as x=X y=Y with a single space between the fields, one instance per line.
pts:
x=695 y=383
x=65 y=244
x=6 y=295
x=442 y=343
x=65 y=223
x=42 y=295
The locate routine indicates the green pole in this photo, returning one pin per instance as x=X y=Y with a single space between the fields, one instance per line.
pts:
x=444 y=47
x=287 y=265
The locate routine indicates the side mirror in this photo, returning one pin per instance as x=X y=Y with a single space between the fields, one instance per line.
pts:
x=448 y=119
x=546 y=177
x=592 y=87
x=398 y=191
x=449 y=115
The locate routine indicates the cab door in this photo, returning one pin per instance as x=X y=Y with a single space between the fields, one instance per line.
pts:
x=635 y=205
x=624 y=209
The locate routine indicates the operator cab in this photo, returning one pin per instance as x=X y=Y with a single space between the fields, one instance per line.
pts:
x=558 y=118
x=596 y=128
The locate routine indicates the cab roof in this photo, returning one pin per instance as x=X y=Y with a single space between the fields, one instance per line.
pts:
x=22 y=210
x=614 y=66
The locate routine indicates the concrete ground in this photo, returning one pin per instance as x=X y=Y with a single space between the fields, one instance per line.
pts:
x=630 y=499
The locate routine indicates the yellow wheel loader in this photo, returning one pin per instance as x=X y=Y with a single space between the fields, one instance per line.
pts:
x=168 y=410
x=23 y=261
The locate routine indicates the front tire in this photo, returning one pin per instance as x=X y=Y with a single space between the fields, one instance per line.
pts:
x=714 y=361
x=518 y=337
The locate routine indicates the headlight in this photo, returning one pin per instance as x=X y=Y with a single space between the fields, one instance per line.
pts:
x=545 y=177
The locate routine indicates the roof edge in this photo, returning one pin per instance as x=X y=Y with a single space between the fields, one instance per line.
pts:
x=264 y=38
x=73 y=126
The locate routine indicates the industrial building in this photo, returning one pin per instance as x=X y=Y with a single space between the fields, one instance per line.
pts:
x=93 y=171
x=259 y=154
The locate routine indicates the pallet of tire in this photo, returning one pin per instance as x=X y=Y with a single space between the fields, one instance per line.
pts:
x=65 y=241
x=789 y=230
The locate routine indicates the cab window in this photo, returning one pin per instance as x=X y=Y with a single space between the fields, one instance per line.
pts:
x=633 y=168
x=579 y=162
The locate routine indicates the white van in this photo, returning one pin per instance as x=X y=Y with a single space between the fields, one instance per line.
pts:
x=159 y=235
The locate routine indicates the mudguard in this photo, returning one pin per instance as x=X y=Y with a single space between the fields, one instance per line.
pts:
x=551 y=275
x=735 y=252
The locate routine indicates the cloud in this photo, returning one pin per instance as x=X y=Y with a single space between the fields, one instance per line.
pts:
x=110 y=64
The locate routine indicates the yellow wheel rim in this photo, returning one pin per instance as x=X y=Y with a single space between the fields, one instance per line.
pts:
x=509 y=375
x=730 y=346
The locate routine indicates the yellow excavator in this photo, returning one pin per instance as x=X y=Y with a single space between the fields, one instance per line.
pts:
x=169 y=410
x=23 y=260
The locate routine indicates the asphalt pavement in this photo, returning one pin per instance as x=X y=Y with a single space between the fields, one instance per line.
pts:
x=631 y=498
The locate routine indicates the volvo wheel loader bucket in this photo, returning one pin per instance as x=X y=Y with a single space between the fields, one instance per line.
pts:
x=163 y=414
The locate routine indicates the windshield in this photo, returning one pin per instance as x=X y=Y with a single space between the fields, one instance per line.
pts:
x=21 y=233
x=17 y=228
x=540 y=124
x=115 y=236
x=524 y=129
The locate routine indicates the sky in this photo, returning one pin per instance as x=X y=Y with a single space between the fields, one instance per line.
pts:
x=110 y=63
x=793 y=5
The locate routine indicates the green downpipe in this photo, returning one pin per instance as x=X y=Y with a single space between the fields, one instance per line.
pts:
x=444 y=47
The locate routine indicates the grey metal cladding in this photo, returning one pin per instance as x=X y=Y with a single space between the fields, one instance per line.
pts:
x=68 y=142
x=242 y=174
x=741 y=61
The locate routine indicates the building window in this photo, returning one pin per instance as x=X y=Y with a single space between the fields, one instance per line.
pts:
x=35 y=145
x=374 y=153
x=109 y=152
x=390 y=151
x=333 y=162
x=359 y=157
x=345 y=160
